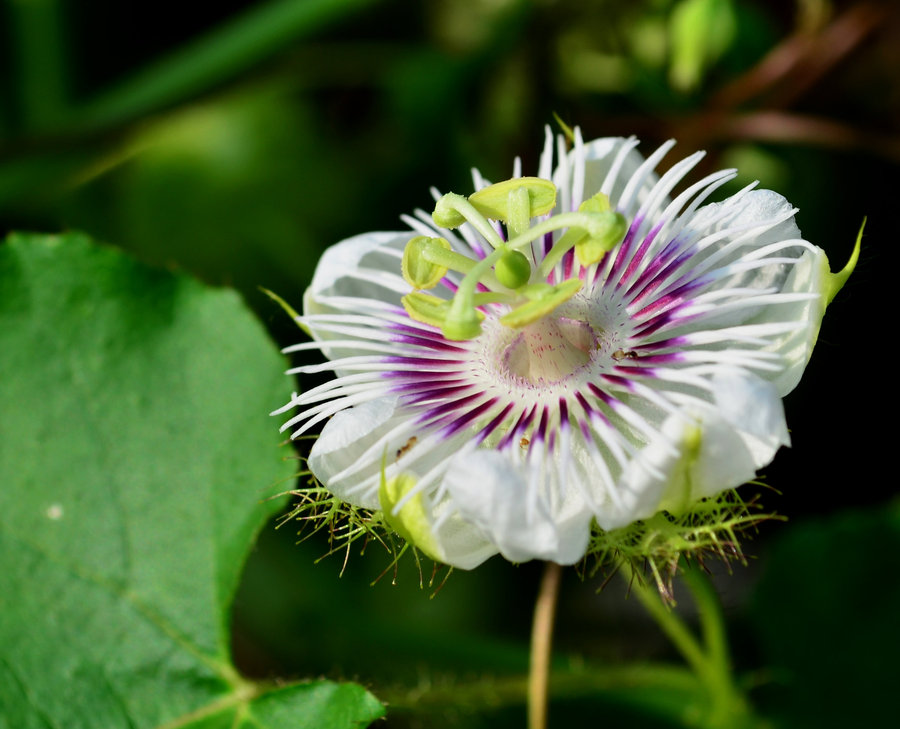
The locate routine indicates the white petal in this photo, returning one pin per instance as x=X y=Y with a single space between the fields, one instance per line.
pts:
x=365 y=267
x=336 y=273
x=716 y=448
x=609 y=164
x=806 y=276
x=809 y=275
x=491 y=491
x=460 y=543
x=344 y=439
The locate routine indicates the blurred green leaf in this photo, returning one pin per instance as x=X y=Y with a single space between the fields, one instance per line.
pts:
x=701 y=31
x=136 y=458
x=826 y=615
x=260 y=31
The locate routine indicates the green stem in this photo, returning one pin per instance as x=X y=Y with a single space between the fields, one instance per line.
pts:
x=670 y=623
x=541 y=642
x=709 y=661
x=440 y=256
x=727 y=700
x=712 y=622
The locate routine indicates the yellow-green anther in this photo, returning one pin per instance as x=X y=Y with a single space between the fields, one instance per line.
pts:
x=606 y=235
x=542 y=299
x=513 y=269
x=835 y=281
x=417 y=270
x=411 y=520
x=426 y=308
x=493 y=202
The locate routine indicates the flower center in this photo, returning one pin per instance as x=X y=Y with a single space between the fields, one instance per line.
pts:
x=549 y=350
x=531 y=289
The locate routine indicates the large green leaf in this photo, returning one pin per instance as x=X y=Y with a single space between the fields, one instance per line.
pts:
x=136 y=458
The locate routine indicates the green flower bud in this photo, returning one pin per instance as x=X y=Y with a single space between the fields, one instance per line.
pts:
x=513 y=270
x=417 y=271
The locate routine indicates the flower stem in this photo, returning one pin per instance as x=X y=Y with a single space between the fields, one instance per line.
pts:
x=710 y=659
x=541 y=642
x=669 y=622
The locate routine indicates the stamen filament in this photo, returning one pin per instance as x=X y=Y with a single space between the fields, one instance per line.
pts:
x=458 y=262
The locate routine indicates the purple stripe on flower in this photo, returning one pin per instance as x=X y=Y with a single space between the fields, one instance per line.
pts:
x=624 y=249
x=521 y=426
x=468 y=418
x=668 y=318
x=654 y=276
x=617 y=380
x=425 y=385
x=591 y=411
x=421 y=362
x=427 y=342
x=639 y=255
x=493 y=425
x=436 y=392
x=433 y=415
x=670 y=343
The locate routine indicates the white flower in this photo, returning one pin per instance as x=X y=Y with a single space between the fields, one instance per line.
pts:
x=640 y=368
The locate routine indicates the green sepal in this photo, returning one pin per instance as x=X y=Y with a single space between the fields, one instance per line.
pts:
x=493 y=202
x=834 y=282
x=411 y=522
x=417 y=271
x=566 y=129
x=542 y=299
x=286 y=307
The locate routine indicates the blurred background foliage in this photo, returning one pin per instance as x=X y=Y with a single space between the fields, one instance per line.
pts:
x=236 y=141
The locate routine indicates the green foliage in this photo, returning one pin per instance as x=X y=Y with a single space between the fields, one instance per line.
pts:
x=701 y=31
x=136 y=462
